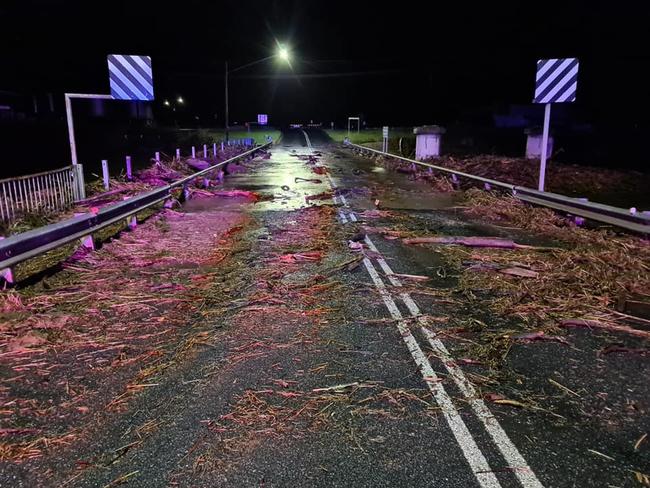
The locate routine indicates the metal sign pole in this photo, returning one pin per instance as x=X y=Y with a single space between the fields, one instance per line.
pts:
x=79 y=175
x=68 y=113
x=542 y=166
x=556 y=81
x=127 y=82
x=226 y=102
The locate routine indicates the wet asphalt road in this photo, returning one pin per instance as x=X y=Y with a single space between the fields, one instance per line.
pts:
x=448 y=438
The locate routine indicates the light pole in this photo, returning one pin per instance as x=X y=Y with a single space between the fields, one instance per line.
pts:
x=283 y=53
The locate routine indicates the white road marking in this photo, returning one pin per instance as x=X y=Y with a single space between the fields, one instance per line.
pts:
x=311 y=150
x=471 y=451
x=342 y=217
x=509 y=451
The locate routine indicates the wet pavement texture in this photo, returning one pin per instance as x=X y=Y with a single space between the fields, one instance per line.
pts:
x=307 y=375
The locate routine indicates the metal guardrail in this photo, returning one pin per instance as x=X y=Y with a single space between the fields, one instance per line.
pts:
x=619 y=217
x=20 y=247
x=50 y=190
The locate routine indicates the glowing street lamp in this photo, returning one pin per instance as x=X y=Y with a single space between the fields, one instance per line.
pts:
x=283 y=53
x=180 y=100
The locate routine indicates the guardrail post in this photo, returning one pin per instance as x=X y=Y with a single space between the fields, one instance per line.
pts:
x=105 y=174
x=205 y=151
x=131 y=220
x=129 y=174
x=178 y=153
x=157 y=157
x=221 y=146
x=87 y=242
x=580 y=221
x=7 y=274
x=214 y=150
x=193 y=152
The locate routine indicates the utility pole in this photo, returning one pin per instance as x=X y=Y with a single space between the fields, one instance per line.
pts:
x=226 y=90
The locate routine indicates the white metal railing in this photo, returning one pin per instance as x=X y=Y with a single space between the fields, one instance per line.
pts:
x=41 y=192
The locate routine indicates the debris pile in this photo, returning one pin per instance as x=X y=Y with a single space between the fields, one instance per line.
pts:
x=79 y=343
x=159 y=173
x=567 y=179
x=580 y=276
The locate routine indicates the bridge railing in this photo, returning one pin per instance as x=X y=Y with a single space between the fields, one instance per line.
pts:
x=41 y=192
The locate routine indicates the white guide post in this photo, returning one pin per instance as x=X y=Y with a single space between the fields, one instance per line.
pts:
x=105 y=175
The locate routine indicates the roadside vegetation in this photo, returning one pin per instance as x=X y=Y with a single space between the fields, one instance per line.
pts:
x=209 y=136
x=373 y=138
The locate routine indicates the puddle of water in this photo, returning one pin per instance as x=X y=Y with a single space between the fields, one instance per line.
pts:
x=268 y=179
x=405 y=200
x=204 y=204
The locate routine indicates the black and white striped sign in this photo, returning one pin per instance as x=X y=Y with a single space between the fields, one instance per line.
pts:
x=556 y=81
x=130 y=77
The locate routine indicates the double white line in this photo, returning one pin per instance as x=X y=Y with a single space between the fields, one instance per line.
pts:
x=477 y=462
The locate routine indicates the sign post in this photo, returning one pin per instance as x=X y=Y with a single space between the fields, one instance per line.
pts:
x=556 y=82
x=262 y=119
x=385 y=139
x=130 y=78
x=542 y=166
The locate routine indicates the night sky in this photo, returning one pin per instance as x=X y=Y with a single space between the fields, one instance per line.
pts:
x=394 y=63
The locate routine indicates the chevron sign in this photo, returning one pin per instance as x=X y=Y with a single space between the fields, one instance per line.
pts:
x=130 y=77
x=556 y=80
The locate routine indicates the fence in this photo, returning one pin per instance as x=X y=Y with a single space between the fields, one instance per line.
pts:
x=41 y=192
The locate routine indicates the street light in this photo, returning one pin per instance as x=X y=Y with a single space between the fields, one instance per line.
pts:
x=282 y=53
x=180 y=100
